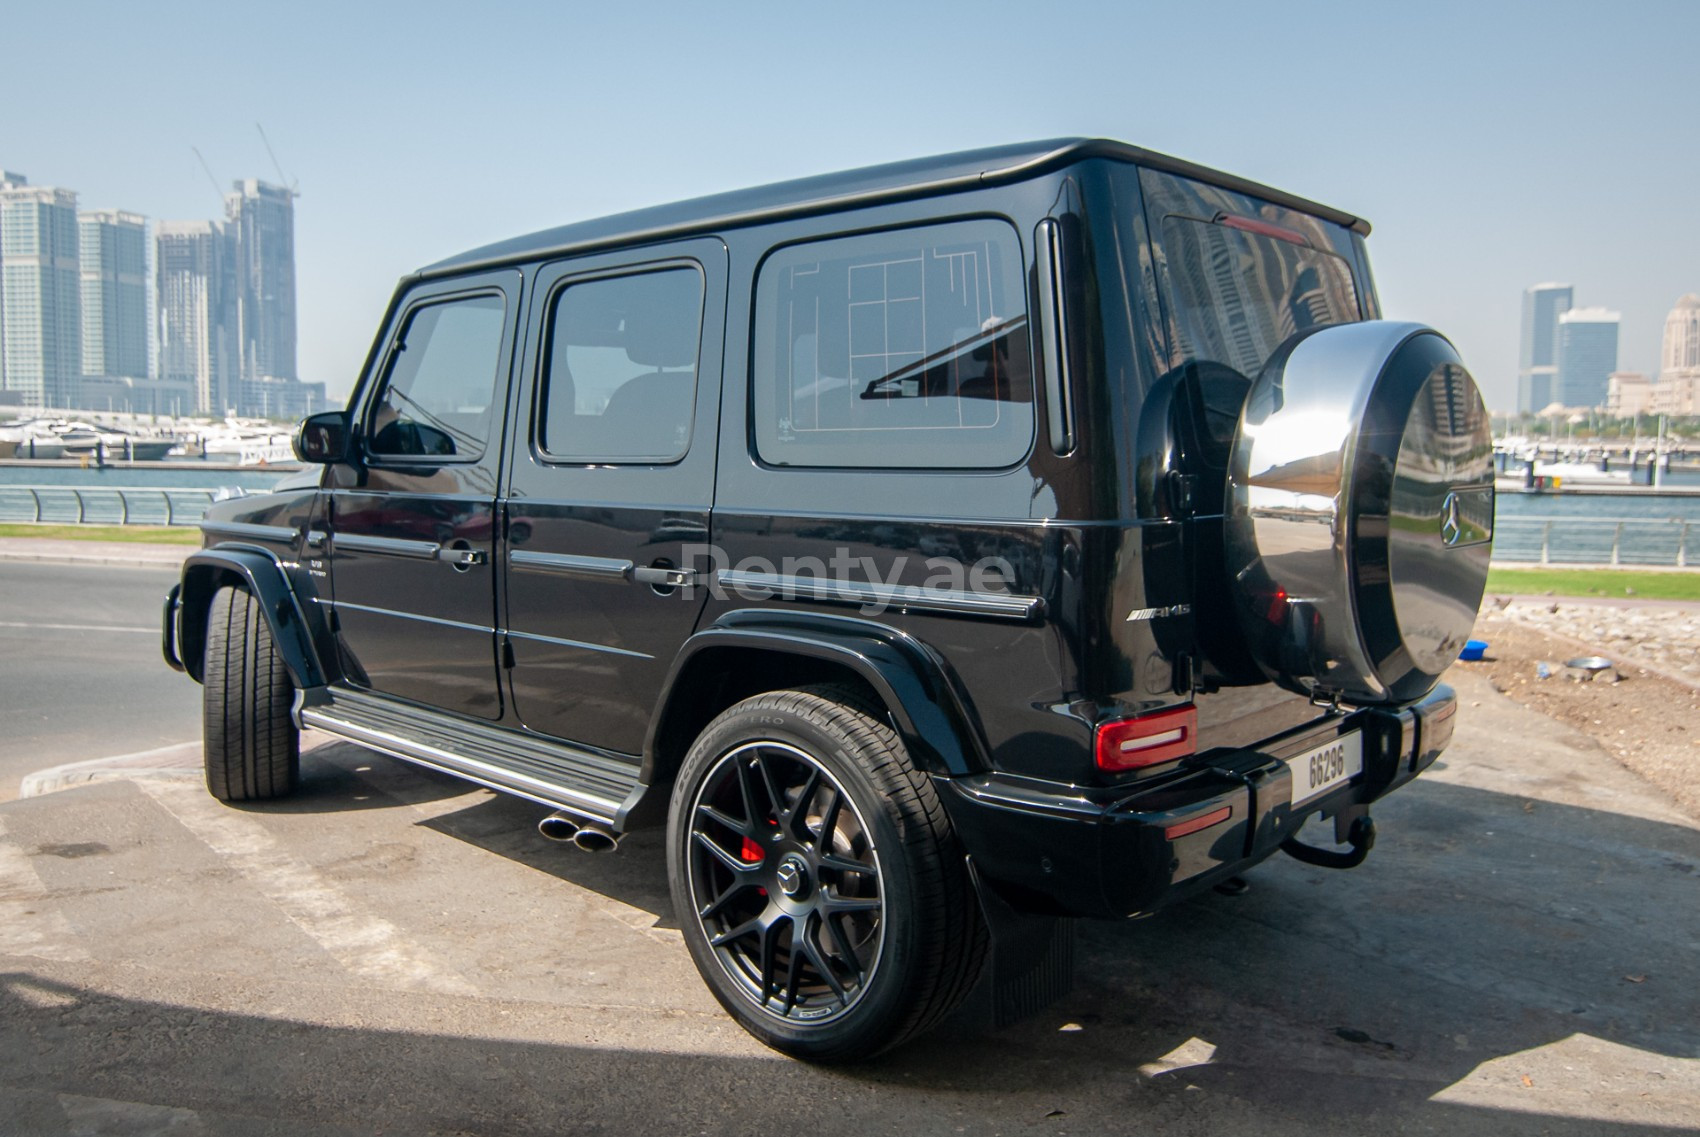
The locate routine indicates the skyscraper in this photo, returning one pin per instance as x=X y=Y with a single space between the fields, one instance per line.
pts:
x=227 y=305
x=40 y=300
x=261 y=221
x=8 y=180
x=1678 y=390
x=113 y=256
x=1537 y=362
x=1682 y=336
x=197 y=310
x=1587 y=355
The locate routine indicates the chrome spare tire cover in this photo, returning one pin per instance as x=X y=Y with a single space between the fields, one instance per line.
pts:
x=1360 y=511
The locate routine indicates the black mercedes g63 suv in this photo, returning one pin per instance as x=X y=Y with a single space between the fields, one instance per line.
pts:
x=939 y=550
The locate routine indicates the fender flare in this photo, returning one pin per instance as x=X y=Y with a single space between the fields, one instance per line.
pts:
x=925 y=704
x=268 y=581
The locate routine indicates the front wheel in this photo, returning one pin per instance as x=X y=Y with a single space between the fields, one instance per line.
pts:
x=252 y=748
x=816 y=877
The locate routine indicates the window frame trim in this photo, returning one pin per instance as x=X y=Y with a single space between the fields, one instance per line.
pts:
x=386 y=367
x=1034 y=362
x=546 y=352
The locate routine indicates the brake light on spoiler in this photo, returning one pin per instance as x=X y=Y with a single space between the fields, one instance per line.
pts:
x=1150 y=740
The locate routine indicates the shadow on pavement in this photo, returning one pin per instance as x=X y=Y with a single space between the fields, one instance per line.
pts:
x=1488 y=947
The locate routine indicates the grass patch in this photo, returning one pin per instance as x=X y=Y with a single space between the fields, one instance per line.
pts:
x=1615 y=583
x=130 y=534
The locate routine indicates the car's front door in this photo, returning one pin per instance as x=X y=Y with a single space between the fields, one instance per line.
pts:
x=412 y=520
x=610 y=486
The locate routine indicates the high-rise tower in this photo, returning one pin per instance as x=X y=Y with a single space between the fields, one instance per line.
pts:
x=40 y=300
x=261 y=221
x=1537 y=361
x=197 y=310
x=113 y=256
x=1682 y=337
x=1587 y=355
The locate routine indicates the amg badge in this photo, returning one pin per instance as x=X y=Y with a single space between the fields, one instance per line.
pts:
x=1154 y=613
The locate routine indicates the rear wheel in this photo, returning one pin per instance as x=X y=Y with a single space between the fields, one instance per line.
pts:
x=816 y=877
x=252 y=748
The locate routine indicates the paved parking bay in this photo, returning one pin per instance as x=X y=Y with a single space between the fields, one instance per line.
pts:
x=392 y=952
x=80 y=668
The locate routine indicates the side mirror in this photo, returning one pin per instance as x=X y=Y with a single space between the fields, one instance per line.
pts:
x=323 y=438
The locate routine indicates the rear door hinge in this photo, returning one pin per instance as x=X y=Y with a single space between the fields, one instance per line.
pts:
x=507 y=654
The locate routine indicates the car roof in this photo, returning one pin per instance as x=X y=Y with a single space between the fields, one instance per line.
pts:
x=824 y=193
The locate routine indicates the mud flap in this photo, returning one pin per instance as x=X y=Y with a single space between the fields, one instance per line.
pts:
x=1030 y=964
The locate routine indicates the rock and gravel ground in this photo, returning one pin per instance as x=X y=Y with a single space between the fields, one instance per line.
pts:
x=1648 y=719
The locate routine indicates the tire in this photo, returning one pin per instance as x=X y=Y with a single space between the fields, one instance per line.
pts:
x=799 y=811
x=252 y=748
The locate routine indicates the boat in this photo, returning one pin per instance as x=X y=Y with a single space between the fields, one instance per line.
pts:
x=248 y=443
x=62 y=438
x=32 y=438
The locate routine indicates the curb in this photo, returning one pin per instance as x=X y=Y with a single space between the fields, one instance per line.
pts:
x=181 y=761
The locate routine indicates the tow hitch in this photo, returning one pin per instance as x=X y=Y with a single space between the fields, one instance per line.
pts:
x=1353 y=825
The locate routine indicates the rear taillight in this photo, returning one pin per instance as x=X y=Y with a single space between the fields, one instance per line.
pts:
x=1132 y=744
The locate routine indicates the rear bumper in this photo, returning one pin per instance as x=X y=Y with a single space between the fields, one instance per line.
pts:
x=1051 y=849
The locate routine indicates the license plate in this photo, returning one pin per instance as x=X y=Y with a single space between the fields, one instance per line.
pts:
x=1326 y=767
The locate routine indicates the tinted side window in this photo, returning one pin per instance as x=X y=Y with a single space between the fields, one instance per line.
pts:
x=906 y=348
x=620 y=384
x=442 y=379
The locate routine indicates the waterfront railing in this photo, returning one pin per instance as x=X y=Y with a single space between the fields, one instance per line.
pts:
x=105 y=505
x=1663 y=542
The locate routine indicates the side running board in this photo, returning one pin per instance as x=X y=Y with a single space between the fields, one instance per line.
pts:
x=597 y=787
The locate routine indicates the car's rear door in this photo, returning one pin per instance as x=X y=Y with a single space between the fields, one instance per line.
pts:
x=610 y=486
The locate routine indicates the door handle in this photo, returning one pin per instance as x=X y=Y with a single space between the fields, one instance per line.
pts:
x=463 y=558
x=663 y=577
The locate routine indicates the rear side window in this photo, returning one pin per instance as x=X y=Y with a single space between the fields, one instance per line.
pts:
x=898 y=349
x=620 y=384
x=441 y=381
x=1239 y=294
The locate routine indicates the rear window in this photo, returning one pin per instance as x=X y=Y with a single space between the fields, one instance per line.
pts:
x=905 y=348
x=1239 y=294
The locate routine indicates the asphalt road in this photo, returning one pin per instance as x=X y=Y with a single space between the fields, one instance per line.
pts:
x=80 y=670
x=391 y=951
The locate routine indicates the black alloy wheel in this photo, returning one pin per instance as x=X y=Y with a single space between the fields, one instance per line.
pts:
x=785 y=882
x=816 y=877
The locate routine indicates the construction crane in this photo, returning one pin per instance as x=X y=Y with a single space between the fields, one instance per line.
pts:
x=209 y=172
x=282 y=177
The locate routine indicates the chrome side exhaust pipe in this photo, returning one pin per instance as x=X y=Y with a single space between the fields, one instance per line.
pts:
x=594 y=838
x=591 y=836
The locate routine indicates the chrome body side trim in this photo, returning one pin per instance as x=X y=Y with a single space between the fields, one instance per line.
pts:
x=250 y=530
x=577 y=643
x=386 y=546
x=597 y=568
x=409 y=616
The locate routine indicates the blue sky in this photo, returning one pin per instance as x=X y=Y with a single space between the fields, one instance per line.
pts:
x=1492 y=144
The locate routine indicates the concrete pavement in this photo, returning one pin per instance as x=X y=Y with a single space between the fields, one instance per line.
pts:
x=392 y=951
